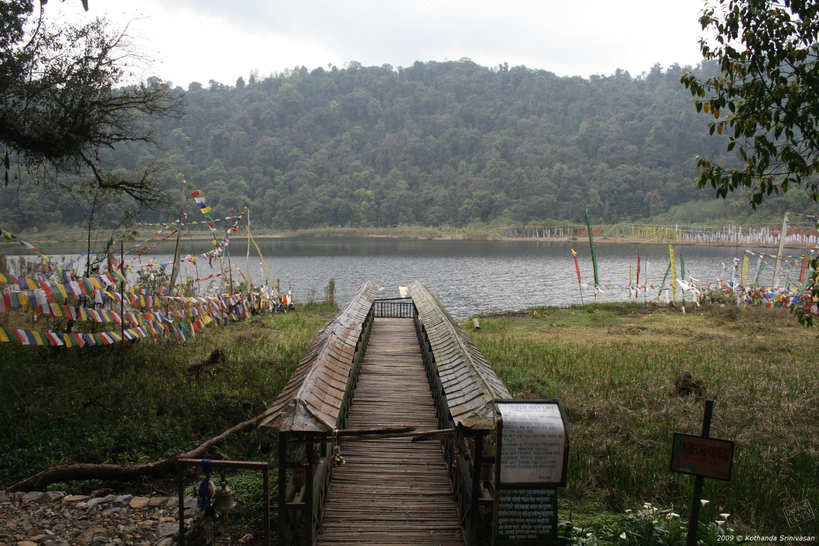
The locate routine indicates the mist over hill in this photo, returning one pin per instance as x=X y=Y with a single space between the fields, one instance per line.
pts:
x=437 y=143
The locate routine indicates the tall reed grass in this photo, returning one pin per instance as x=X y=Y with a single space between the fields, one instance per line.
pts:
x=621 y=373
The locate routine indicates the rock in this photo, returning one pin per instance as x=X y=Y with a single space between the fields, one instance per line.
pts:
x=156 y=502
x=4 y=497
x=32 y=496
x=137 y=503
x=123 y=500
x=76 y=498
x=55 y=519
x=167 y=529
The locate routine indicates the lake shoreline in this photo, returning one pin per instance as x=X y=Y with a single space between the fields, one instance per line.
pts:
x=416 y=233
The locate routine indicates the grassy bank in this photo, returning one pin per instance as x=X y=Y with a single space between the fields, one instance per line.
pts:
x=136 y=403
x=623 y=371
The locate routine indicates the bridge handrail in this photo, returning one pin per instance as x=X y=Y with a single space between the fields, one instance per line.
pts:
x=468 y=381
x=313 y=399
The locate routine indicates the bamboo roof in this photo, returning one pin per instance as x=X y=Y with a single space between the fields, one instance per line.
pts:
x=469 y=382
x=312 y=399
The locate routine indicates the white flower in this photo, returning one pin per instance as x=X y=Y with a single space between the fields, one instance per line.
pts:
x=720 y=522
x=671 y=515
x=704 y=502
x=647 y=505
x=725 y=516
x=628 y=511
x=623 y=536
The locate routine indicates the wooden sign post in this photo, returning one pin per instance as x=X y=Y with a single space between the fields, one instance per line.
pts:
x=531 y=458
x=702 y=457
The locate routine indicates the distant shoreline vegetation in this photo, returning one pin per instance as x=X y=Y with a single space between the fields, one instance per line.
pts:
x=621 y=233
x=434 y=144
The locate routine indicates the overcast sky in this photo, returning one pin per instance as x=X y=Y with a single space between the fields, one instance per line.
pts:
x=200 y=40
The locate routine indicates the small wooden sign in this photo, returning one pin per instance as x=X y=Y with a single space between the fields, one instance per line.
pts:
x=699 y=456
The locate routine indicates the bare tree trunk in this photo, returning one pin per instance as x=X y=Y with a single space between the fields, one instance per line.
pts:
x=123 y=473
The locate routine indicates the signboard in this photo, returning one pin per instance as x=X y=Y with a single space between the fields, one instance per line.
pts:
x=531 y=459
x=527 y=516
x=699 y=456
x=534 y=444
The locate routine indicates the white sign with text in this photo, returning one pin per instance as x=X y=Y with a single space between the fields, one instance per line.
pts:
x=533 y=443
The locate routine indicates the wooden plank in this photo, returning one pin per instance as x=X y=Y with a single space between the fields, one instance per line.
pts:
x=391 y=491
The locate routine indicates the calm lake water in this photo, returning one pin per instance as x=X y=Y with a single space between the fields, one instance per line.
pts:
x=467 y=276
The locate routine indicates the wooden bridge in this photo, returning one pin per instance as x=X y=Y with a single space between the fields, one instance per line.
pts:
x=350 y=472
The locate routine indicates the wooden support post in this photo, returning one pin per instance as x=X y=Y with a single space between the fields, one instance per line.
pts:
x=474 y=515
x=283 y=523
x=309 y=530
x=266 y=484
x=694 y=516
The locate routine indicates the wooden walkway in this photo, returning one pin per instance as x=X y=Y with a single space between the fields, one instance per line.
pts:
x=391 y=491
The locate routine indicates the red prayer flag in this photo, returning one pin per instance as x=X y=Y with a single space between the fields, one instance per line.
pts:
x=638 y=269
x=576 y=265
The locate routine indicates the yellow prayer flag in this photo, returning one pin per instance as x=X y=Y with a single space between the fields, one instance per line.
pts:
x=744 y=278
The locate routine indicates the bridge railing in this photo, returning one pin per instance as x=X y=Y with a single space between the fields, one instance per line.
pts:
x=316 y=401
x=463 y=386
x=394 y=308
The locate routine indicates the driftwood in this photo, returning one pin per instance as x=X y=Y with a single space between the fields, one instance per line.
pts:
x=123 y=473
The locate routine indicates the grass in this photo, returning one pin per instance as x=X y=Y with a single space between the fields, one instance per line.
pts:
x=136 y=403
x=617 y=370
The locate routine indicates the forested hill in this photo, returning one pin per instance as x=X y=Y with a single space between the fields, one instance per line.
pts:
x=436 y=143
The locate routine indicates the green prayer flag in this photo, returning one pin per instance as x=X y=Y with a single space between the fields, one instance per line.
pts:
x=593 y=254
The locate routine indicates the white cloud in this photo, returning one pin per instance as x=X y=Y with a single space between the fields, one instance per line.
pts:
x=200 y=40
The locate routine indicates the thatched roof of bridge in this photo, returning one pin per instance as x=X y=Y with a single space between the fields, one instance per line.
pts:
x=311 y=401
x=469 y=382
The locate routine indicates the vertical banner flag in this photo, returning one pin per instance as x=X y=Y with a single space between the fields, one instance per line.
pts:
x=758 y=270
x=593 y=253
x=630 y=279
x=665 y=278
x=683 y=277
x=673 y=274
x=804 y=269
x=638 y=271
x=743 y=279
x=577 y=268
x=576 y=265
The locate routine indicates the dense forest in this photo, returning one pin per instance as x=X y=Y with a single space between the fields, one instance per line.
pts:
x=437 y=143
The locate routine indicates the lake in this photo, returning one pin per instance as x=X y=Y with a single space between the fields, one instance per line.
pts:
x=467 y=276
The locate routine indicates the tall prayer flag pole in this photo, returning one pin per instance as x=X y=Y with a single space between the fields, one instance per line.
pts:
x=782 y=235
x=673 y=274
x=665 y=278
x=176 y=264
x=593 y=254
x=637 y=294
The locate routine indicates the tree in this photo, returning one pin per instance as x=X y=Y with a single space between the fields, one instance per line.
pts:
x=769 y=82
x=62 y=100
x=766 y=96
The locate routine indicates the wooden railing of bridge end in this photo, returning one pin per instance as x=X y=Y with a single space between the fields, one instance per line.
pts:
x=474 y=506
x=317 y=464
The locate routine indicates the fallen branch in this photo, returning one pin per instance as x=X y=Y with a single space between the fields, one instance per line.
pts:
x=123 y=473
